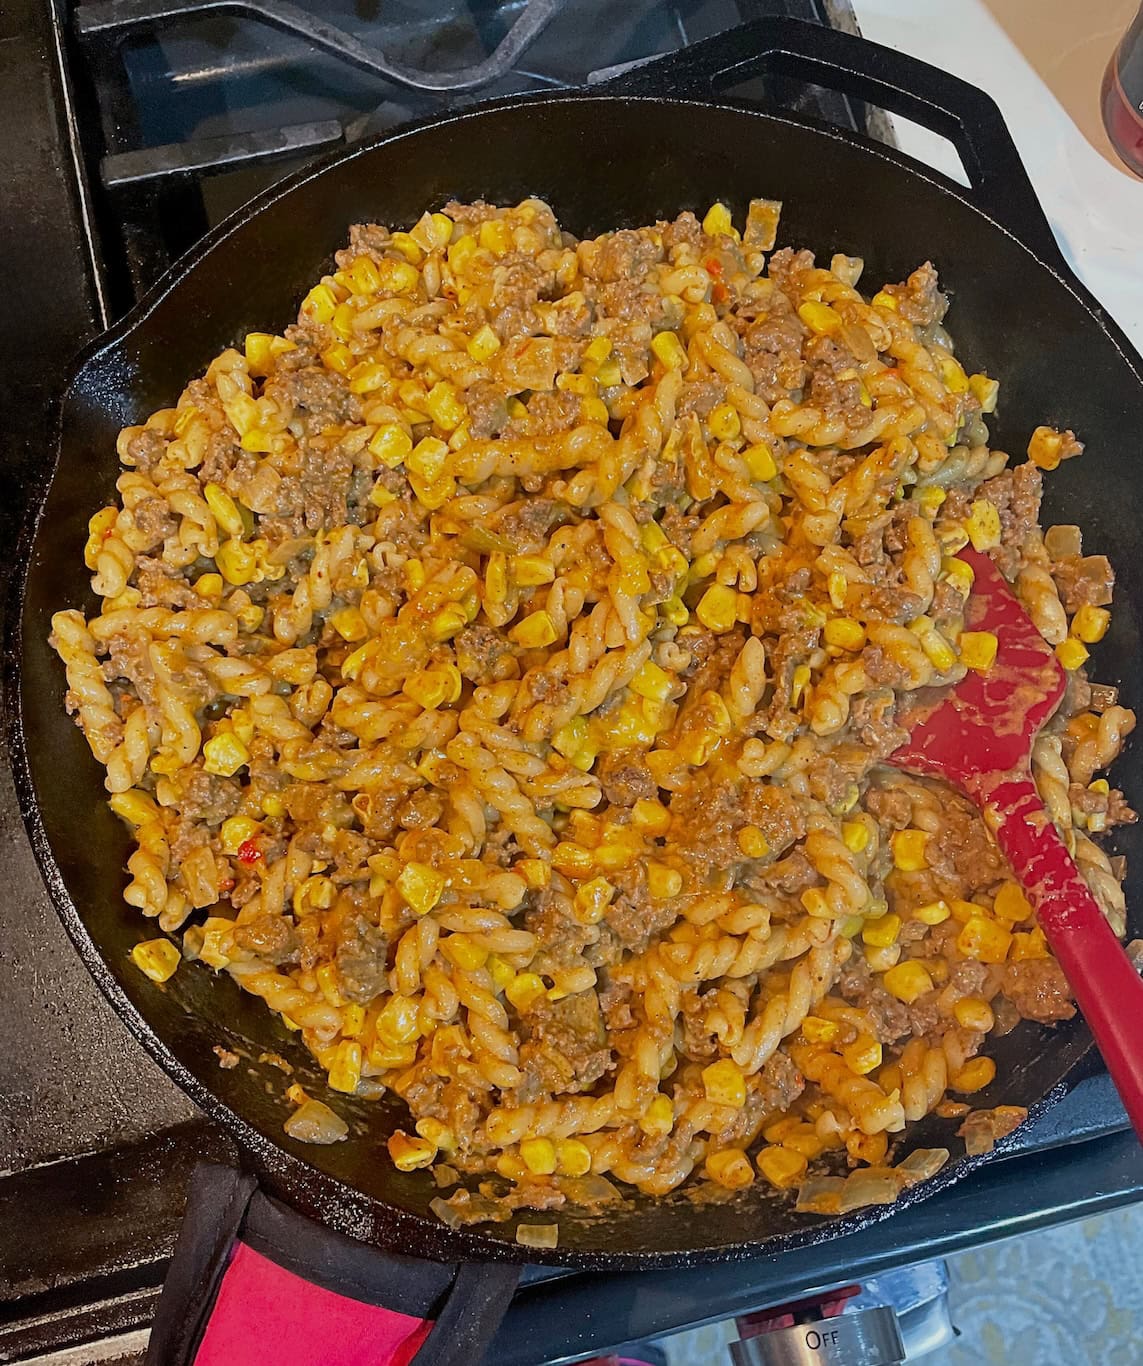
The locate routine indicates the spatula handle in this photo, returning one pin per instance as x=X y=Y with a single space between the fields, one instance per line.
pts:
x=1107 y=988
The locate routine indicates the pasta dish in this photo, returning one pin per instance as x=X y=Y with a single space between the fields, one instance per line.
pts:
x=497 y=670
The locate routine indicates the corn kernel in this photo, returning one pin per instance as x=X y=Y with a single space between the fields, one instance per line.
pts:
x=421 y=886
x=530 y=571
x=597 y=350
x=224 y=509
x=436 y=1132
x=717 y=222
x=235 y=831
x=349 y=624
x=650 y=817
x=209 y=586
x=883 y=300
x=798 y=683
x=1044 y=448
x=978 y=650
x=427 y=459
x=805 y=1140
x=760 y=462
x=573 y=1158
x=782 y=1167
x=409 y=1153
x=659 y=1118
x=669 y=350
x=663 y=882
x=984 y=940
x=907 y=981
x=985 y=390
x=391 y=443
x=443 y=625
x=432 y=688
x=819 y=317
x=934 y=913
x=368 y=376
x=863 y=1055
x=237 y=562
x=724 y=422
x=534 y=632
x=959 y=573
x=539 y=1155
x=752 y=842
x=484 y=344
x=844 y=633
x=157 y=959
x=464 y=952
x=983 y=525
x=223 y=755
x=134 y=806
x=444 y=407
x=338 y=357
x=525 y=990
x=397 y=1021
x=936 y=647
x=971 y=1012
x=1090 y=623
x=262 y=348
x=1011 y=904
x=975 y=1075
x=882 y=933
x=953 y=376
x=729 y=1168
x=1031 y=945
x=817 y=903
x=724 y=1083
x=855 y=835
x=929 y=500
x=592 y=899
x=346 y=1070
x=718 y=608
x=319 y=304
x=817 y=1030
x=909 y=850
x=1071 y=653
x=652 y=682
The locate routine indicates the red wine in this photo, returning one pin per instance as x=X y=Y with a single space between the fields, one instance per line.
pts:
x=1122 y=97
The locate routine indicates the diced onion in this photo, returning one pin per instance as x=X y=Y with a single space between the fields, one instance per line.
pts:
x=315 y=1122
x=922 y=1164
x=538 y=1235
x=821 y=1195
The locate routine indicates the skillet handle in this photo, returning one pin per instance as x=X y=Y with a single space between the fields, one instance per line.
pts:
x=890 y=80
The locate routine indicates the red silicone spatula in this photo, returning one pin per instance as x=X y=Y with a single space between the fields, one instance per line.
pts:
x=978 y=736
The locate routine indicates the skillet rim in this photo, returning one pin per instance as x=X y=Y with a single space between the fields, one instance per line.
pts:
x=285 y=1172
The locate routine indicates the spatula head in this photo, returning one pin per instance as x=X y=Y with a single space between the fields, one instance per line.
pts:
x=986 y=723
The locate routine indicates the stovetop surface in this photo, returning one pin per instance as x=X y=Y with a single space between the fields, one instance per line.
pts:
x=96 y=1144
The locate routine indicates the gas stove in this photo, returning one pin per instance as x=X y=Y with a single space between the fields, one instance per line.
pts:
x=130 y=127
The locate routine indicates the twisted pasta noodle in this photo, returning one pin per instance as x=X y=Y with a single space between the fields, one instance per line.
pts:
x=777 y=1018
x=872 y=1110
x=93 y=702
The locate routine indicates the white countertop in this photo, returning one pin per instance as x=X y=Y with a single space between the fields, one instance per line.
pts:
x=1095 y=209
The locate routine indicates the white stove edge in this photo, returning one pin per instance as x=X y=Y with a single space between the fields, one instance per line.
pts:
x=1095 y=210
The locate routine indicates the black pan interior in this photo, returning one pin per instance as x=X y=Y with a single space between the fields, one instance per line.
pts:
x=601 y=163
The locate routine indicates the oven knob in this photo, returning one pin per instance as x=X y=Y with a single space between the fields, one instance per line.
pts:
x=867 y=1337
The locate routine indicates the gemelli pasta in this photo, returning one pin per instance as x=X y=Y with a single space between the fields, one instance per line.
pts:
x=497 y=670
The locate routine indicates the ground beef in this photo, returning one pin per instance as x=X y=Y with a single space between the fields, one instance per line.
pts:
x=271 y=937
x=483 y=655
x=1084 y=580
x=527 y=524
x=698 y=1044
x=487 y=409
x=362 y=959
x=320 y=397
x=890 y=805
x=566 y=1046
x=889 y=1017
x=920 y=300
x=700 y=396
x=962 y=856
x=621 y=256
x=1016 y=494
x=634 y=916
x=772 y=349
x=872 y=717
x=706 y=817
x=685 y=230
x=547 y=414
x=880 y=668
x=625 y=778
x=790 y=875
x=208 y=798
x=365 y=239
x=782 y=1083
x=615 y=1003
x=1039 y=990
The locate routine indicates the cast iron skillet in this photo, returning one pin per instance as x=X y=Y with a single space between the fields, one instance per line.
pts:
x=659 y=144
